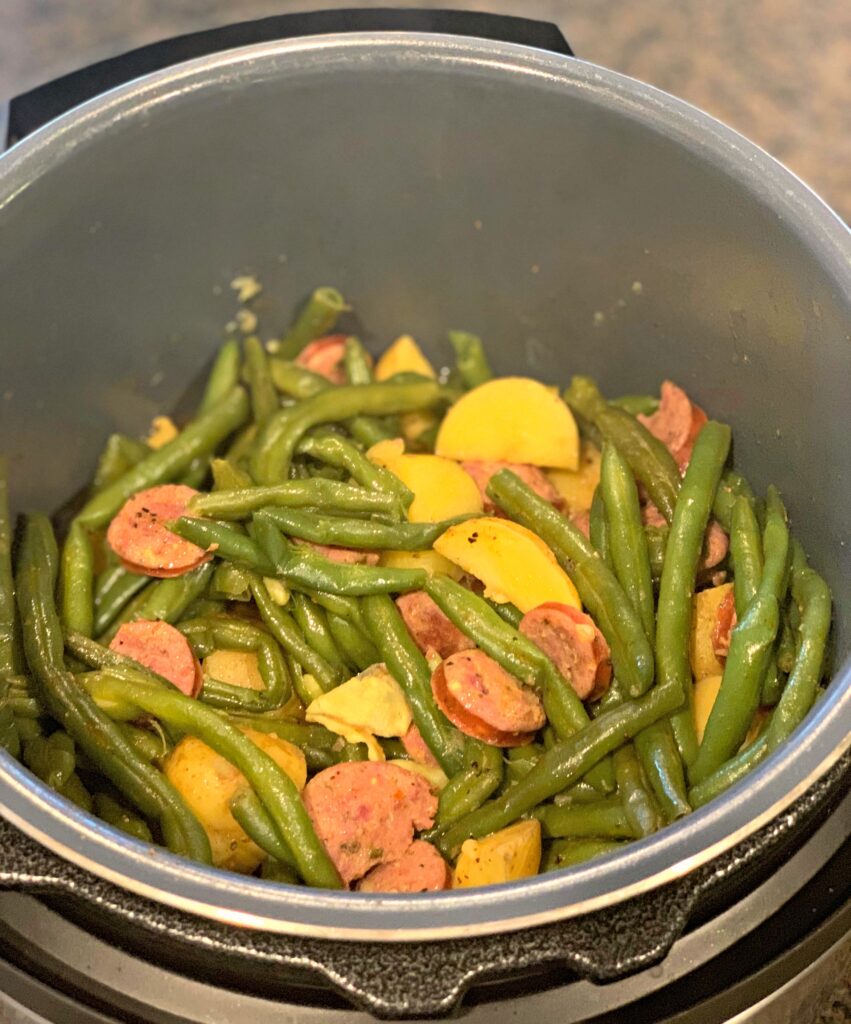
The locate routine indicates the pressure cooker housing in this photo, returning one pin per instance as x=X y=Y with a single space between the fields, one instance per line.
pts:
x=578 y=220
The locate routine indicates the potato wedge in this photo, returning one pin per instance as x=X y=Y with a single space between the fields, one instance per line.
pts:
x=403 y=356
x=513 y=563
x=431 y=561
x=704 y=694
x=442 y=489
x=237 y=668
x=703 y=616
x=504 y=856
x=511 y=419
x=577 y=486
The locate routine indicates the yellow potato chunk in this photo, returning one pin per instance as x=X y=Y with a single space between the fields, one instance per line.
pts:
x=368 y=705
x=511 y=419
x=431 y=561
x=238 y=668
x=504 y=856
x=208 y=783
x=577 y=486
x=441 y=488
x=705 y=692
x=513 y=563
x=403 y=356
x=704 y=613
x=162 y=431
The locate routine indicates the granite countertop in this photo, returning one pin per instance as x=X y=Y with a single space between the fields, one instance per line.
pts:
x=776 y=70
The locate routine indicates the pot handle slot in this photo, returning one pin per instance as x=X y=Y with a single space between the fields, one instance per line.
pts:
x=32 y=109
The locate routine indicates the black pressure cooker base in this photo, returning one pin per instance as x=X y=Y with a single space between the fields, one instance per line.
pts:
x=772 y=955
x=418 y=980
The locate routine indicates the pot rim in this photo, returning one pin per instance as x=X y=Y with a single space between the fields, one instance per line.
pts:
x=644 y=865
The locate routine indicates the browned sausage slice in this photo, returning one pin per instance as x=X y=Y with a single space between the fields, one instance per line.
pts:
x=365 y=812
x=533 y=477
x=163 y=649
x=715 y=546
x=419 y=869
x=417 y=748
x=478 y=696
x=572 y=641
x=344 y=556
x=429 y=627
x=725 y=621
x=676 y=423
x=141 y=540
x=325 y=356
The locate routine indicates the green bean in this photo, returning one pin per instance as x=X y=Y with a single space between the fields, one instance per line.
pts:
x=469 y=788
x=663 y=767
x=334 y=450
x=786 y=644
x=359 y=533
x=306 y=686
x=357 y=362
x=272 y=870
x=518 y=656
x=205 y=635
x=29 y=727
x=650 y=461
x=223 y=377
x=344 y=607
x=227 y=541
x=603 y=818
x=200 y=437
x=321 y=747
x=599 y=532
x=733 y=485
x=275 y=789
x=565 y=853
x=296 y=381
x=10 y=655
x=306 y=569
x=149 y=745
x=580 y=792
x=564 y=764
x=120 y=454
x=240 y=447
x=657 y=541
x=114 y=587
x=519 y=762
x=76 y=581
x=10 y=737
x=76 y=792
x=507 y=611
x=264 y=397
x=282 y=627
x=18 y=699
x=314 y=493
x=111 y=811
x=227 y=476
x=313 y=623
x=636 y=405
x=253 y=818
x=409 y=668
x=628 y=539
x=602 y=595
x=745 y=553
x=676 y=589
x=229 y=583
x=278 y=440
x=470 y=359
x=356 y=648
x=751 y=644
x=317 y=317
x=638 y=803
x=74 y=710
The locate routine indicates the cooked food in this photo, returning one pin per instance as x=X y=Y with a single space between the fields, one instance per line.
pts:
x=395 y=628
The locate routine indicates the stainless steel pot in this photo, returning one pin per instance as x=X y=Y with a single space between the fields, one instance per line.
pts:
x=579 y=220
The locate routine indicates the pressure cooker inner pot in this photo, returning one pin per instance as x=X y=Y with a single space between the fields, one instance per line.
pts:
x=577 y=222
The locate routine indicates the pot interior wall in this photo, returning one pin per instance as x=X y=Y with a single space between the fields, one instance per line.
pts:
x=572 y=236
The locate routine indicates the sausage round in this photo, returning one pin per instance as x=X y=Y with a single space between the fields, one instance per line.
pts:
x=533 y=477
x=478 y=696
x=417 y=748
x=676 y=423
x=343 y=556
x=419 y=869
x=162 y=649
x=430 y=629
x=725 y=621
x=365 y=813
x=139 y=537
x=572 y=641
x=325 y=356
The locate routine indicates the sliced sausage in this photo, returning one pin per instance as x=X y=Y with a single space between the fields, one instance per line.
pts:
x=582 y=520
x=725 y=621
x=429 y=627
x=325 y=356
x=533 y=477
x=478 y=696
x=365 y=812
x=716 y=543
x=651 y=516
x=419 y=869
x=344 y=556
x=676 y=423
x=162 y=649
x=142 y=541
x=417 y=748
x=572 y=641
